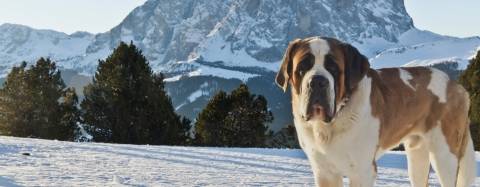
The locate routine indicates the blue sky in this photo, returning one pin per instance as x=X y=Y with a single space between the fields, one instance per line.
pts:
x=449 y=17
x=67 y=15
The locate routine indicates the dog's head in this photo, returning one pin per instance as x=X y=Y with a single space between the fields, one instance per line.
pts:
x=322 y=72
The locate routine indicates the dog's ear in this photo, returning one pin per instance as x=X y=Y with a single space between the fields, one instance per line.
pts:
x=356 y=66
x=285 y=72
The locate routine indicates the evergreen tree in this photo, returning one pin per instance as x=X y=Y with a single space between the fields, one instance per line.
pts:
x=470 y=79
x=70 y=116
x=35 y=102
x=127 y=103
x=238 y=119
x=284 y=138
x=209 y=126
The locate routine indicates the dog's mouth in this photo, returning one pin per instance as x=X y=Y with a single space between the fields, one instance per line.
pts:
x=318 y=112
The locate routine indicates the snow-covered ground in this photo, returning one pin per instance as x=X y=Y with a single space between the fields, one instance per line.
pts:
x=56 y=163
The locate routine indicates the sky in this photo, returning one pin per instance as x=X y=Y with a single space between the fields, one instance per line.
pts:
x=67 y=16
x=449 y=17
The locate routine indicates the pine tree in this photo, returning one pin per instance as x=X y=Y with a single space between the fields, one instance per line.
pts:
x=238 y=119
x=70 y=115
x=470 y=79
x=33 y=103
x=247 y=118
x=284 y=138
x=127 y=103
x=209 y=126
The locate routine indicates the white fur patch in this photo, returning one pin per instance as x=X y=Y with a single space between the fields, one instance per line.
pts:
x=418 y=161
x=438 y=84
x=343 y=147
x=319 y=48
x=317 y=69
x=467 y=172
x=406 y=77
x=444 y=162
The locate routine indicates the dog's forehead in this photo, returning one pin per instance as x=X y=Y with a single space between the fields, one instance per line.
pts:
x=319 y=47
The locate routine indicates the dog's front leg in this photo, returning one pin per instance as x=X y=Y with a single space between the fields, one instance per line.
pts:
x=322 y=171
x=364 y=178
x=327 y=180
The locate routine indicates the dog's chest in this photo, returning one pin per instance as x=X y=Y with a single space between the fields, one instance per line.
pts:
x=341 y=150
x=354 y=137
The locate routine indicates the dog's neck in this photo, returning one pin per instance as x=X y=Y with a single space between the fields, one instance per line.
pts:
x=346 y=117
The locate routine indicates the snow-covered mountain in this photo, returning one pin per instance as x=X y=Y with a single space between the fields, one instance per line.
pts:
x=423 y=48
x=21 y=43
x=204 y=46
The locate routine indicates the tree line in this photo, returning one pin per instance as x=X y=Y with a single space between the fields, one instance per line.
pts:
x=470 y=79
x=126 y=102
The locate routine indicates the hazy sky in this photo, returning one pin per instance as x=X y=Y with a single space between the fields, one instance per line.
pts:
x=450 y=17
x=67 y=15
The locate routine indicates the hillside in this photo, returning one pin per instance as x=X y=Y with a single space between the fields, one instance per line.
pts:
x=203 y=51
x=56 y=163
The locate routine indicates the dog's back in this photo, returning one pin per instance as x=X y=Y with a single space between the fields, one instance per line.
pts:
x=422 y=108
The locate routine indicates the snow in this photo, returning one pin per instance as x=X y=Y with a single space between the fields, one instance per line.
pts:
x=21 y=43
x=57 y=163
x=415 y=36
x=423 y=48
x=216 y=72
x=217 y=49
x=205 y=70
x=379 y=9
x=219 y=72
x=195 y=95
x=84 y=136
x=372 y=46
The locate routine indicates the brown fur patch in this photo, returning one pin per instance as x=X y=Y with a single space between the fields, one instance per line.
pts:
x=300 y=53
x=403 y=111
x=339 y=58
x=455 y=121
x=284 y=75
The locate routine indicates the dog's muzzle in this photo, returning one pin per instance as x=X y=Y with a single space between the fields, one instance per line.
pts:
x=318 y=104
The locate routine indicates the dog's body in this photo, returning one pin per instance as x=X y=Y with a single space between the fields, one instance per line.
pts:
x=347 y=115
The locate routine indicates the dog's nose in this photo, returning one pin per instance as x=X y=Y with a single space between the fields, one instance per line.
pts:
x=318 y=81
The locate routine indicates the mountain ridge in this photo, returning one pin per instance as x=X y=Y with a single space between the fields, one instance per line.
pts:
x=173 y=33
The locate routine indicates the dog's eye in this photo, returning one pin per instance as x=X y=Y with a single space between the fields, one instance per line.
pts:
x=330 y=65
x=301 y=73
x=305 y=64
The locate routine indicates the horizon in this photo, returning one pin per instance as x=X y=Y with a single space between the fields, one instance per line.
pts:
x=69 y=17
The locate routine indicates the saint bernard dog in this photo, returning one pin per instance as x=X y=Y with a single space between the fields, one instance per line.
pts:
x=347 y=115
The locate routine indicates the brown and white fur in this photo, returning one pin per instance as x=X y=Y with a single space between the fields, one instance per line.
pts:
x=347 y=115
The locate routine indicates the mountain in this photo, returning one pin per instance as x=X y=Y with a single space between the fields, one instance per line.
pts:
x=423 y=48
x=21 y=43
x=203 y=46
